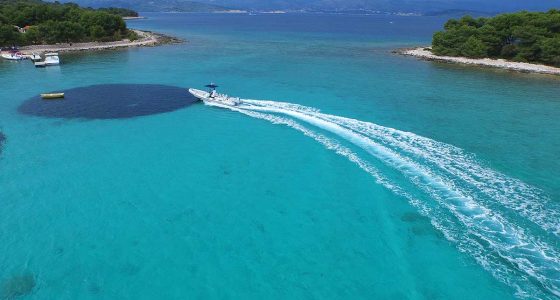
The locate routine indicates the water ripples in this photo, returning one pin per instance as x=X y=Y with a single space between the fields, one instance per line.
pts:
x=479 y=209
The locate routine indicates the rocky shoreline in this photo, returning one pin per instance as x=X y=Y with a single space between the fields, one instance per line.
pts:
x=146 y=39
x=134 y=18
x=426 y=54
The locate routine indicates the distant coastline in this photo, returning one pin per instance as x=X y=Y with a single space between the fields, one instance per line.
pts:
x=146 y=39
x=426 y=54
x=133 y=18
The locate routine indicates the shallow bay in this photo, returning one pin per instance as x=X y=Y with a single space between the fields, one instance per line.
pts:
x=202 y=202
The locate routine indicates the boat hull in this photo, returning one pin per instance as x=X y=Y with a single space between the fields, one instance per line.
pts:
x=200 y=95
x=205 y=97
x=52 y=59
x=13 y=57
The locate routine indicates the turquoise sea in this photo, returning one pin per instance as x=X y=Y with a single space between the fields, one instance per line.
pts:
x=364 y=174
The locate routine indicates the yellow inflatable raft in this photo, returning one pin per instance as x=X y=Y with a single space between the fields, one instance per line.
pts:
x=52 y=96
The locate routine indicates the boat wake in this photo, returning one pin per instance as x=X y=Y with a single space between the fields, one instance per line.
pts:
x=509 y=227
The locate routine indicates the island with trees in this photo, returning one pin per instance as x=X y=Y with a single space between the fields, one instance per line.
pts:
x=523 y=41
x=33 y=22
x=123 y=12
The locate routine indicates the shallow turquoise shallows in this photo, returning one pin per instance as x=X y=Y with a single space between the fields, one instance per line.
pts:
x=391 y=178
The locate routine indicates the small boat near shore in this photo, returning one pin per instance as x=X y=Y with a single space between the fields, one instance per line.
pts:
x=51 y=96
x=13 y=55
x=212 y=97
x=51 y=59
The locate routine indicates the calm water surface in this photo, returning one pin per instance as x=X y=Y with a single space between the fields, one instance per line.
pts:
x=444 y=184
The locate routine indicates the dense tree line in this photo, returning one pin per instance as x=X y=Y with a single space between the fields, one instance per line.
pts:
x=123 y=12
x=523 y=36
x=58 y=23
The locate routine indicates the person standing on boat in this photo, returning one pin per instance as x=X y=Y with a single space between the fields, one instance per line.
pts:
x=212 y=87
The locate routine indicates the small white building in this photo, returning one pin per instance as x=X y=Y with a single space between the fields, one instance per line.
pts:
x=22 y=29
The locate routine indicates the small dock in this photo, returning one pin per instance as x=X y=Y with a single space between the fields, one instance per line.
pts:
x=34 y=57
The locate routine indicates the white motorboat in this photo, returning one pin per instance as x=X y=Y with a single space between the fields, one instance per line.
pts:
x=51 y=59
x=13 y=55
x=212 y=97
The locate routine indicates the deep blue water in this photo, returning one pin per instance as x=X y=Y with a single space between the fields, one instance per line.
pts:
x=110 y=101
x=443 y=184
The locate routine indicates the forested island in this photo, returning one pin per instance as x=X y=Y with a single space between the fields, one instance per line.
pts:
x=123 y=12
x=33 y=22
x=157 y=5
x=532 y=37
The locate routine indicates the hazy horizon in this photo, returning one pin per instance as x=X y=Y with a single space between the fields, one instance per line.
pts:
x=491 y=6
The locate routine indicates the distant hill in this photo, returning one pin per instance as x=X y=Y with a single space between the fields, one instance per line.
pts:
x=416 y=6
x=432 y=7
x=154 y=5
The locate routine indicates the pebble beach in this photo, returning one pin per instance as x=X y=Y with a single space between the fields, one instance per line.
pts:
x=146 y=38
x=425 y=53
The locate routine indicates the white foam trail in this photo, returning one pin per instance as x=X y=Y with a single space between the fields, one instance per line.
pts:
x=325 y=141
x=437 y=218
x=510 y=193
x=537 y=260
x=502 y=190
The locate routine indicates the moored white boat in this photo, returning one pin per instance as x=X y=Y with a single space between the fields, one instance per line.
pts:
x=13 y=55
x=52 y=59
x=212 y=97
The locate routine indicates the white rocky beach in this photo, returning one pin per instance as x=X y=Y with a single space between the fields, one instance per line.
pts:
x=425 y=53
x=146 y=38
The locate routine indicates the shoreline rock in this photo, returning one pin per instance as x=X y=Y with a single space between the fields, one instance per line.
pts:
x=146 y=39
x=134 y=18
x=425 y=54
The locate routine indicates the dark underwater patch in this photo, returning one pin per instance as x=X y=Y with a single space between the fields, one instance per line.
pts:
x=2 y=140
x=411 y=217
x=110 y=101
x=17 y=286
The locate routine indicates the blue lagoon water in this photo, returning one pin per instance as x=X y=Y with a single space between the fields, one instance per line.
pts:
x=364 y=174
